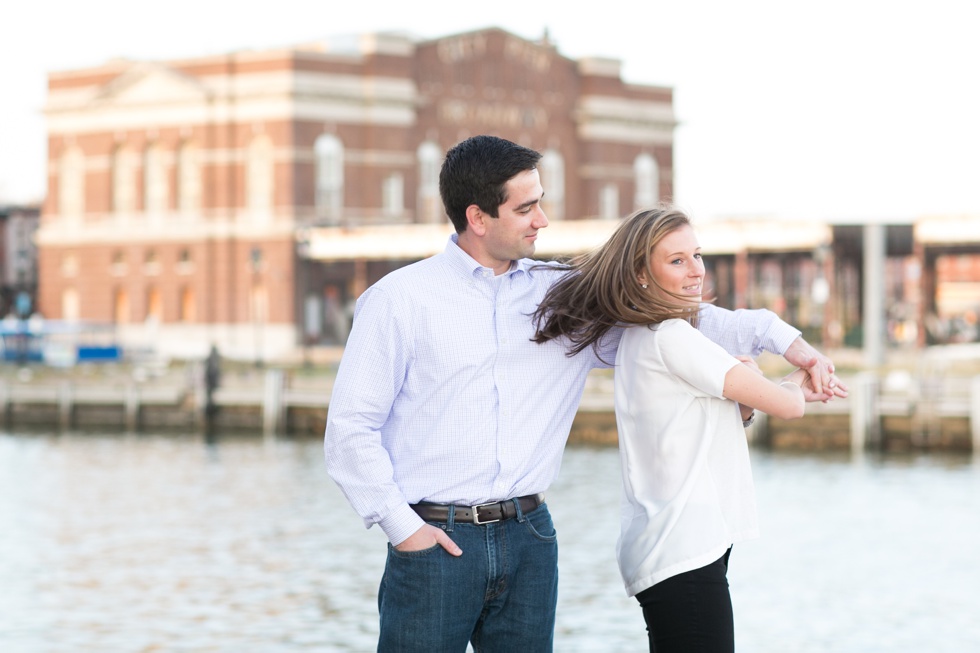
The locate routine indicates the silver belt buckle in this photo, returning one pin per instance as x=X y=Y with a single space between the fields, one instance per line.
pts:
x=476 y=513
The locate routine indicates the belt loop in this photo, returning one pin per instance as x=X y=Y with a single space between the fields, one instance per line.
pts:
x=450 y=518
x=520 y=513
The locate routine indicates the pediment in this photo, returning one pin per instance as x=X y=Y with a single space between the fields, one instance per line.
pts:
x=150 y=83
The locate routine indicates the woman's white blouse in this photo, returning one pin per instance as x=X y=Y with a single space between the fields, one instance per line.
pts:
x=687 y=484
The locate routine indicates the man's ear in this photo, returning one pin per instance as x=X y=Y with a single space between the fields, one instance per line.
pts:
x=476 y=220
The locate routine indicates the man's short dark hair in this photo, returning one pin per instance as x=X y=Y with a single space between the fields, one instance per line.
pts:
x=475 y=172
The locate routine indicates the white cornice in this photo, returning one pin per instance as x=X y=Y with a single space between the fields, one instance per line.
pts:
x=159 y=100
x=64 y=232
x=948 y=230
x=625 y=120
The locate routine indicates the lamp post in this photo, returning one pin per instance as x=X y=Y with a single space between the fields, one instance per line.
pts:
x=256 y=261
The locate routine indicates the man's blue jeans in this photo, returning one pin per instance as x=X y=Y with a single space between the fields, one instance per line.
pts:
x=499 y=595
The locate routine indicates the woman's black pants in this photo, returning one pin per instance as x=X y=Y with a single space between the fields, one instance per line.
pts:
x=691 y=612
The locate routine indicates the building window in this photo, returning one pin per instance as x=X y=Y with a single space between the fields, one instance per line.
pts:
x=185 y=265
x=329 y=200
x=188 y=312
x=609 y=202
x=259 y=178
x=553 y=181
x=259 y=304
x=647 y=178
x=429 y=205
x=117 y=267
x=151 y=263
x=393 y=195
x=188 y=178
x=123 y=180
x=120 y=306
x=71 y=198
x=70 y=305
x=154 y=306
x=69 y=265
x=155 y=191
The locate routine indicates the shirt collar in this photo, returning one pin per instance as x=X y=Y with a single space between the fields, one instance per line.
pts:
x=468 y=266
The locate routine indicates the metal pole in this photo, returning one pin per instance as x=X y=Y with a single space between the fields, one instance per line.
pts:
x=874 y=290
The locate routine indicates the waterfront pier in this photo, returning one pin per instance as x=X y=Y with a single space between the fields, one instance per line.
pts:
x=931 y=404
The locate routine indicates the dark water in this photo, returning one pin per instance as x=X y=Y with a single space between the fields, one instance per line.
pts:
x=143 y=543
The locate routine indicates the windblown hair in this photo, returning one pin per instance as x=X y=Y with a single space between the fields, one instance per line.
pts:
x=475 y=172
x=602 y=290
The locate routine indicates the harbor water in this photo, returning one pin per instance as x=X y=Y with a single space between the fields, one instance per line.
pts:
x=140 y=543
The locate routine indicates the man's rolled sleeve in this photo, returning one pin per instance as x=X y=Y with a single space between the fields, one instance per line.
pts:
x=779 y=337
x=745 y=332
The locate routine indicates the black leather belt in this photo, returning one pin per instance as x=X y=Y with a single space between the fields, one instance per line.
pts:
x=486 y=513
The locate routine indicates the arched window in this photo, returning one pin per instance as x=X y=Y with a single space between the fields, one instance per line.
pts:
x=429 y=205
x=259 y=181
x=120 y=306
x=117 y=266
x=185 y=264
x=188 y=310
x=154 y=305
x=609 y=202
x=188 y=178
x=647 y=178
x=259 y=304
x=553 y=182
x=151 y=263
x=71 y=175
x=123 y=181
x=69 y=265
x=155 y=191
x=393 y=195
x=70 y=305
x=329 y=200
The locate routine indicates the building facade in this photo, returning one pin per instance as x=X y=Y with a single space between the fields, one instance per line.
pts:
x=219 y=200
x=18 y=260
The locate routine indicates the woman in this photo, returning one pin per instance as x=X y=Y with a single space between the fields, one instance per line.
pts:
x=680 y=405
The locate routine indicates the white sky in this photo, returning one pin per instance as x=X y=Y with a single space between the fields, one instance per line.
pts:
x=841 y=110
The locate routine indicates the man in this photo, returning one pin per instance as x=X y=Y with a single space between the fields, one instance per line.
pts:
x=447 y=424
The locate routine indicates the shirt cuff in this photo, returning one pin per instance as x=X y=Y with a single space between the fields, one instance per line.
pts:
x=400 y=524
x=781 y=336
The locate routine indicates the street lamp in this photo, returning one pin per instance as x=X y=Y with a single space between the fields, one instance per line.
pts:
x=256 y=261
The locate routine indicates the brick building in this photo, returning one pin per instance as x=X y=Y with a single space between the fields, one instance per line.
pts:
x=225 y=199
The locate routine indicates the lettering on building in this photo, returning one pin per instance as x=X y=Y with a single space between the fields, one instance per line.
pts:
x=458 y=112
x=528 y=55
x=462 y=48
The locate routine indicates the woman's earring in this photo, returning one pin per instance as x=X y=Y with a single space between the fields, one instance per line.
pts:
x=643 y=285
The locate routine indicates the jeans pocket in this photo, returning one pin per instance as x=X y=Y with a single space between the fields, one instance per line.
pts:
x=540 y=525
x=409 y=555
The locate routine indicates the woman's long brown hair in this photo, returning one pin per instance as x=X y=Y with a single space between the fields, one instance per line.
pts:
x=602 y=289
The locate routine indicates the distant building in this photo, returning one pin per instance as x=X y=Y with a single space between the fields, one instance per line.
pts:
x=225 y=199
x=18 y=260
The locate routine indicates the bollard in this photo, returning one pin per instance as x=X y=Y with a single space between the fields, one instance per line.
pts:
x=4 y=403
x=272 y=402
x=975 y=414
x=132 y=407
x=865 y=422
x=64 y=405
